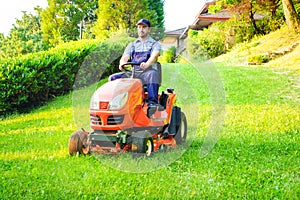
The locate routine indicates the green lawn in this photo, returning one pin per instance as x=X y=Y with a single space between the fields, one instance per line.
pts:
x=253 y=153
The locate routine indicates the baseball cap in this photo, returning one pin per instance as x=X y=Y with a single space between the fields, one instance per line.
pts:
x=145 y=22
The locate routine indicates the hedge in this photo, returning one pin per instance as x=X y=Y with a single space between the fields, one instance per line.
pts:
x=32 y=79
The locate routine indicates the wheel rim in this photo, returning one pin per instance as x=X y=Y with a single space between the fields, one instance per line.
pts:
x=182 y=129
x=148 y=147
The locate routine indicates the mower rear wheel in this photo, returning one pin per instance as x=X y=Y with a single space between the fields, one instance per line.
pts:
x=78 y=143
x=143 y=142
x=181 y=134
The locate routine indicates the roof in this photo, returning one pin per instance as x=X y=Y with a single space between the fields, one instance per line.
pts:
x=204 y=9
x=204 y=19
x=176 y=32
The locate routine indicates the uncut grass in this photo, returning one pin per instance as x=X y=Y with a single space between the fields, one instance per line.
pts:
x=256 y=156
x=276 y=41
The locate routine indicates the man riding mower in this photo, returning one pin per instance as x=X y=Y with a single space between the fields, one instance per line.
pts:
x=127 y=113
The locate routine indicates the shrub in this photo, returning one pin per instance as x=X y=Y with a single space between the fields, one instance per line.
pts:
x=29 y=80
x=257 y=59
x=168 y=56
x=208 y=43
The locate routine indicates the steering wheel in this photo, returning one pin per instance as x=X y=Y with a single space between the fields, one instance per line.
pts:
x=132 y=68
x=129 y=63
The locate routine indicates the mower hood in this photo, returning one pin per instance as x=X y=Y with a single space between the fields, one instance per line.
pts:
x=118 y=90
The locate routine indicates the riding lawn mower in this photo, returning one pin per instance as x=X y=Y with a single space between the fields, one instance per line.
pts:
x=118 y=118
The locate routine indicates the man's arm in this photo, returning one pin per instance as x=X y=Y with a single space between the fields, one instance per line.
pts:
x=153 y=57
x=126 y=55
x=151 y=60
x=124 y=59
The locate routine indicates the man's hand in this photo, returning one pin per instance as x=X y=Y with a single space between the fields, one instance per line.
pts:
x=121 y=66
x=144 y=65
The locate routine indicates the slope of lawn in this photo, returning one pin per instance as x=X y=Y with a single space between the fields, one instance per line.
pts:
x=256 y=156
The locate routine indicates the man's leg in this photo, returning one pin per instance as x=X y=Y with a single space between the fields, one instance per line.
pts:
x=152 y=93
x=151 y=77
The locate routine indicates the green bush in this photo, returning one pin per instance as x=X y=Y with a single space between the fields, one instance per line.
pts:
x=168 y=56
x=208 y=43
x=257 y=59
x=222 y=36
x=29 y=80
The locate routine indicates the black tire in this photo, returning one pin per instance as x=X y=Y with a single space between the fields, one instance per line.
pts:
x=181 y=134
x=142 y=143
x=78 y=143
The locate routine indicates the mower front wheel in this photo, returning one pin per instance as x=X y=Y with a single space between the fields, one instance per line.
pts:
x=142 y=143
x=78 y=143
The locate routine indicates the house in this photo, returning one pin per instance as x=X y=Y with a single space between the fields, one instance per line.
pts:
x=202 y=20
x=177 y=37
x=172 y=38
x=205 y=19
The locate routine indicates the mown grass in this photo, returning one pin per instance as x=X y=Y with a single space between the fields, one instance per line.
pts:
x=256 y=156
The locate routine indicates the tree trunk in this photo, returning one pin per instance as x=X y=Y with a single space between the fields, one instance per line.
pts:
x=257 y=31
x=291 y=17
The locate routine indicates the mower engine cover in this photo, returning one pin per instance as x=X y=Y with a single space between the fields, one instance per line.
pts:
x=114 y=95
x=115 y=104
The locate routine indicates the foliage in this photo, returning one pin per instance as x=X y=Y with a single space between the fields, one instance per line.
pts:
x=257 y=59
x=276 y=42
x=256 y=156
x=158 y=7
x=25 y=37
x=244 y=13
x=271 y=9
x=61 y=19
x=117 y=14
x=168 y=56
x=242 y=26
x=29 y=80
x=209 y=43
x=70 y=20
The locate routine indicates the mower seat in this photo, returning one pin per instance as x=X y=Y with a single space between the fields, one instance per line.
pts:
x=158 y=68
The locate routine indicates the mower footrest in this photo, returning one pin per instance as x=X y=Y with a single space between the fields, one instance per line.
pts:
x=159 y=116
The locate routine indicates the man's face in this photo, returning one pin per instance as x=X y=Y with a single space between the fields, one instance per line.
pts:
x=143 y=30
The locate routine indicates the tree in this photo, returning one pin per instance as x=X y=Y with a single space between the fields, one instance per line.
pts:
x=242 y=26
x=291 y=16
x=270 y=6
x=62 y=18
x=158 y=7
x=114 y=15
x=25 y=36
x=243 y=13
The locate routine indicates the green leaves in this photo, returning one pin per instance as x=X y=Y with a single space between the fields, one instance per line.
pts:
x=61 y=19
x=25 y=37
x=209 y=44
x=35 y=78
x=114 y=15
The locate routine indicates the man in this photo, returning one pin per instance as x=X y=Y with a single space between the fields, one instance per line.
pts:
x=145 y=50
